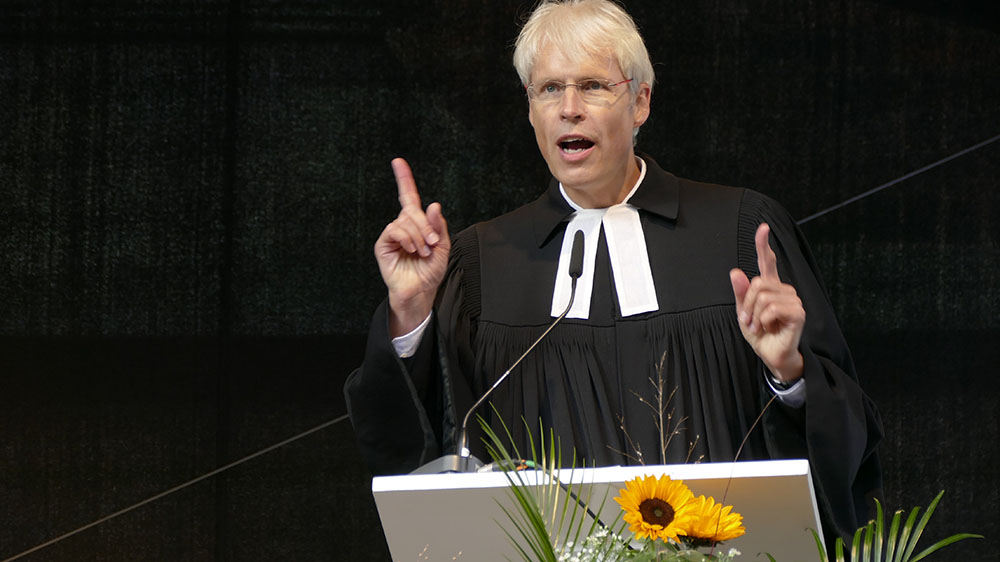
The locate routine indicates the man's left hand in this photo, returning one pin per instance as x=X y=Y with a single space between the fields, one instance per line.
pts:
x=770 y=313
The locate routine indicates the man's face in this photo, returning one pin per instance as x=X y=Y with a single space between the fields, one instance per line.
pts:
x=588 y=146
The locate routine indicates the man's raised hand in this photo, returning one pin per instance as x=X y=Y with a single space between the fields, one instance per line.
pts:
x=770 y=313
x=412 y=255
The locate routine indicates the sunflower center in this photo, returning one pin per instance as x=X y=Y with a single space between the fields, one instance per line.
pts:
x=656 y=512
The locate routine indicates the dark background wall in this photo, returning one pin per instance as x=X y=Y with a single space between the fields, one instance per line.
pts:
x=190 y=191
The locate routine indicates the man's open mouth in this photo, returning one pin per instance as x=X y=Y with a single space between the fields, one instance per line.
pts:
x=575 y=144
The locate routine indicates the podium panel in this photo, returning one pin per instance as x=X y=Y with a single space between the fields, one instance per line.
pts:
x=444 y=517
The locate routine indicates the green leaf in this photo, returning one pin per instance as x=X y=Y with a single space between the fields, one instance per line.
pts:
x=819 y=546
x=869 y=539
x=564 y=509
x=529 y=523
x=552 y=510
x=506 y=430
x=905 y=536
x=514 y=541
x=525 y=533
x=856 y=545
x=921 y=525
x=893 y=533
x=902 y=551
x=943 y=543
x=879 y=530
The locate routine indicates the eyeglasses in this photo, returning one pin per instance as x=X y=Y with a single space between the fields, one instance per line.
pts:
x=591 y=90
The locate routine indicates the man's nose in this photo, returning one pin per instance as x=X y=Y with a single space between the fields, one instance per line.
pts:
x=571 y=104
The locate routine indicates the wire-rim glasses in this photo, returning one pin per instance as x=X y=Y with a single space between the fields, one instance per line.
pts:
x=591 y=90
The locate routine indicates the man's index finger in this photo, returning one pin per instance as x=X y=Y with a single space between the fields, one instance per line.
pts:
x=408 y=195
x=767 y=262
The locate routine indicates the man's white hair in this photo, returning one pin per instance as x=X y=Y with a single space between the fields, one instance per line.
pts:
x=584 y=28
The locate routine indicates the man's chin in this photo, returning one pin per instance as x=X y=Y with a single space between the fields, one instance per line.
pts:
x=571 y=173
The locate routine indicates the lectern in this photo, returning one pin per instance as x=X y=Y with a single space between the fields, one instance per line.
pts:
x=444 y=517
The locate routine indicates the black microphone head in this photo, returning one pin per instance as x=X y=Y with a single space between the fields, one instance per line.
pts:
x=576 y=258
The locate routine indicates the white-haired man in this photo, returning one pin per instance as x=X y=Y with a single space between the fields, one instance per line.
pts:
x=664 y=293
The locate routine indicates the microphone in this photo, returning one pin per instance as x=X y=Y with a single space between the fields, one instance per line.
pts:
x=575 y=263
x=575 y=270
x=464 y=461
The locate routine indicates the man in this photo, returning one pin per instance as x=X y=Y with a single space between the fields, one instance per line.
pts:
x=653 y=304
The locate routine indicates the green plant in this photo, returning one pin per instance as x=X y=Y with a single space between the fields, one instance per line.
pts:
x=552 y=526
x=871 y=544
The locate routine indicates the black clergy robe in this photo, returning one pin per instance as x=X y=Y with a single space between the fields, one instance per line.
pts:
x=587 y=379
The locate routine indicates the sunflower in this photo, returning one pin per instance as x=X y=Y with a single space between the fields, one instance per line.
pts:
x=714 y=523
x=658 y=508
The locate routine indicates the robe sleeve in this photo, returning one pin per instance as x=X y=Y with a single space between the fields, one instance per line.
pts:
x=838 y=429
x=404 y=410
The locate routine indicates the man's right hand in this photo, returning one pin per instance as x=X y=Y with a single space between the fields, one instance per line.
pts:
x=412 y=255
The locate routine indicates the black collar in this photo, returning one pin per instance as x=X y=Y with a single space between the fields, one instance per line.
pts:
x=657 y=194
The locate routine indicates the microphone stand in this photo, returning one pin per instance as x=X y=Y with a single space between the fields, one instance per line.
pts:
x=463 y=435
x=465 y=461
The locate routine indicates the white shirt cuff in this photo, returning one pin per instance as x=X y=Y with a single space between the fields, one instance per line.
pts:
x=793 y=396
x=407 y=344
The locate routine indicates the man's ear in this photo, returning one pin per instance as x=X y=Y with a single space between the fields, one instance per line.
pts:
x=642 y=101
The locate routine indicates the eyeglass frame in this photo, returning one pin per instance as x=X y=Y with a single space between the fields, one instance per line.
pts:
x=577 y=85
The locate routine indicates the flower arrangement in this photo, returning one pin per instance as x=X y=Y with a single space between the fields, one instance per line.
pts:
x=556 y=523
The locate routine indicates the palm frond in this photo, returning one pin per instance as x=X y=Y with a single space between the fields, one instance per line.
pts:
x=890 y=548
x=905 y=534
x=530 y=522
x=553 y=514
x=819 y=546
x=879 y=530
x=920 y=526
x=943 y=543
x=938 y=545
x=866 y=549
x=856 y=545
x=899 y=543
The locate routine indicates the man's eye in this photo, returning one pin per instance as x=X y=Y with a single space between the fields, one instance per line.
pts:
x=550 y=88
x=592 y=85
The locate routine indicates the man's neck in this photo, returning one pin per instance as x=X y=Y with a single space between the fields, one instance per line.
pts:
x=602 y=198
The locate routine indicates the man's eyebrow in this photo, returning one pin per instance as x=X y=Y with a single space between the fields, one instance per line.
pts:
x=573 y=80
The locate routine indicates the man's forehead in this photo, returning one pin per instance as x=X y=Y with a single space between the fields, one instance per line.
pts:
x=556 y=63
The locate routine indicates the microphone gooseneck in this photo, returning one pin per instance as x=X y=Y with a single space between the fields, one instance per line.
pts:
x=575 y=271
